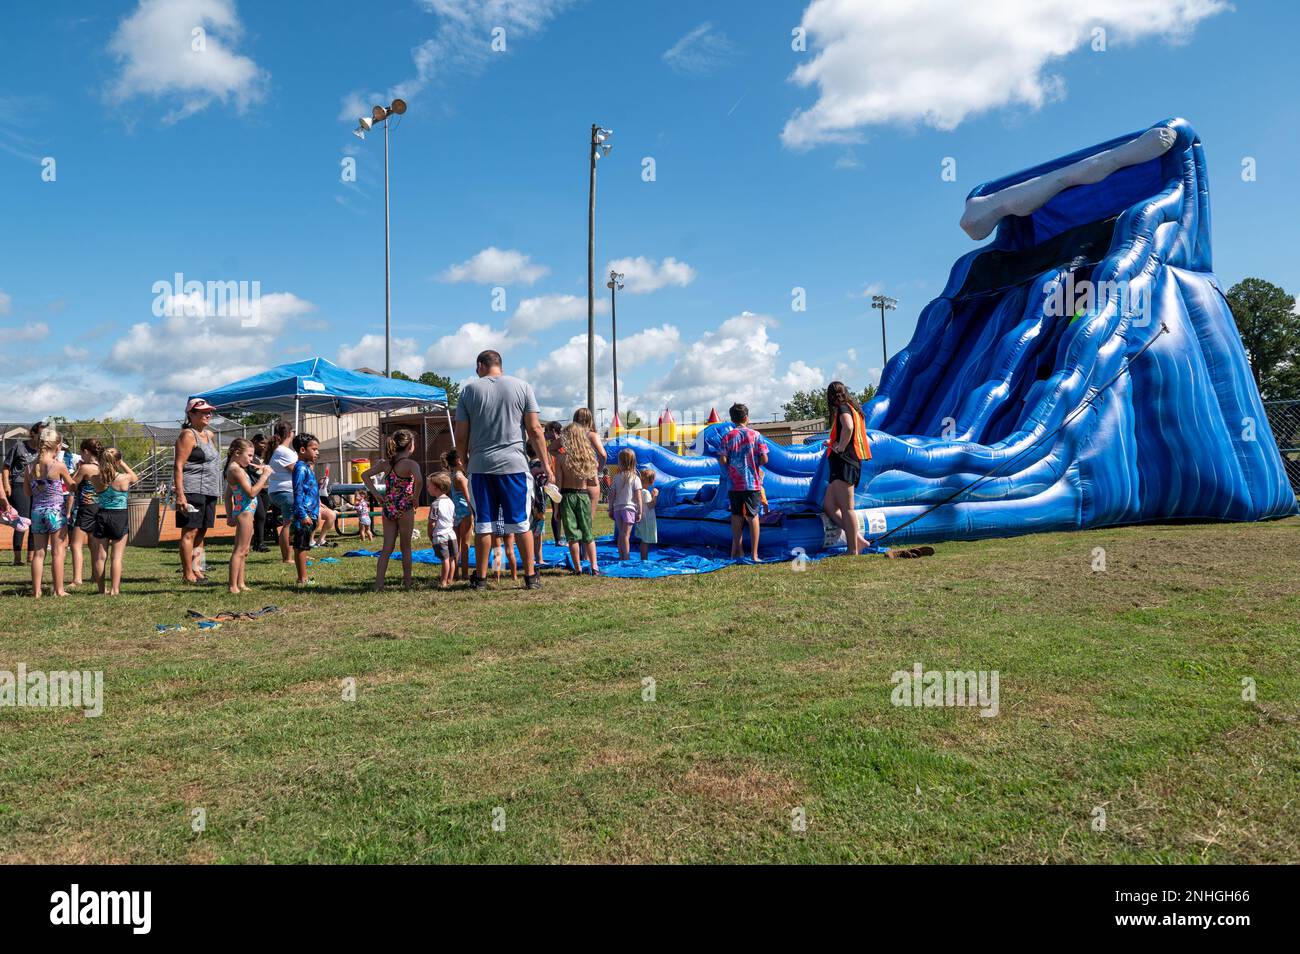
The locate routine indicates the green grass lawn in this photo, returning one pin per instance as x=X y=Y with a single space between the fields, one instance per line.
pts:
x=1119 y=690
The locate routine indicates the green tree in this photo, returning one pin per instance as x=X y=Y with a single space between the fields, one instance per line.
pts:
x=1270 y=331
x=632 y=419
x=806 y=405
x=124 y=433
x=435 y=380
x=253 y=420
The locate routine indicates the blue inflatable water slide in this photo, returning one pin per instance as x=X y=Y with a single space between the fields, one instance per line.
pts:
x=1080 y=370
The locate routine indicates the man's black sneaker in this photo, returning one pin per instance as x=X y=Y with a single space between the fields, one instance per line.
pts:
x=533 y=582
x=477 y=583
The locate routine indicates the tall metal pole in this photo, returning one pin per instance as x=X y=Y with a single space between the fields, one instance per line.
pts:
x=388 y=292
x=884 y=303
x=591 y=275
x=884 y=348
x=613 y=314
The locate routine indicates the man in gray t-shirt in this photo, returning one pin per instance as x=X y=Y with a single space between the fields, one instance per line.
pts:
x=496 y=417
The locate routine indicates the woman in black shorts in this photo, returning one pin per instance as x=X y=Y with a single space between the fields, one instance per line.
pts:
x=198 y=485
x=846 y=450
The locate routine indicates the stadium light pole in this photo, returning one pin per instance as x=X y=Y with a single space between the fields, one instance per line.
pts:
x=381 y=114
x=600 y=146
x=615 y=285
x=884 y=303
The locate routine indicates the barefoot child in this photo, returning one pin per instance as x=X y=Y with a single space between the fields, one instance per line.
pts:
x=112 y=480
x=44 y=481
x=743 y=454
x=365 y=526
x=84 y=506
x=647 y=527
x=306 y=502
x=442 y=525
x=577 y=464
x=625 y=502
x=401 y=478
x=463 y=517
x=241 y=506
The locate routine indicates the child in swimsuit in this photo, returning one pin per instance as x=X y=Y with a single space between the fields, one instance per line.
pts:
x=463 y=515
x=46 y=480
x=241 y=505
x=111 y=481
x=361 y=504
x=401 y=478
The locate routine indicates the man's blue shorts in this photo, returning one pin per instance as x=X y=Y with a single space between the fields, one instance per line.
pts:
x=502 y=500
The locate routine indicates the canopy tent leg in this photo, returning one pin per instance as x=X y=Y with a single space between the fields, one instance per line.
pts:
x=297 y=407
x=338 y=430
x=451 y=428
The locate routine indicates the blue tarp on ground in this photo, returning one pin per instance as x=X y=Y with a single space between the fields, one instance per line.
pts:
x=664 y=561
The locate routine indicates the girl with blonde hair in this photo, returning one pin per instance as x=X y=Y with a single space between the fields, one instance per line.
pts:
x=45 y=480
x=241 y=506
x=626 y=504
x=112 y=481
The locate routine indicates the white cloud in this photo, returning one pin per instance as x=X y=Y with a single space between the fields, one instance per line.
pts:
x=35 y=399
x=6 y=303
x=540 y=313
x=369 y=353
x=738 y=361
x=699 y=52
x=937 y=62
x=652 y=344
x=560 y=378
x=188 y=351
x=496 y=266
x=800 y=376
x=156 y=48
x=32 y=331
x=642 y=275
x=457 y=351
x=461 y=44
x=75 y=354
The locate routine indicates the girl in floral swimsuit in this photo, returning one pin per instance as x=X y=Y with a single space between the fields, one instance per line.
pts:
x=398 y=500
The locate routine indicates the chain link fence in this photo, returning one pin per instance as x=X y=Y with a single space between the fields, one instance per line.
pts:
x=148 y=446
x=1284 y=419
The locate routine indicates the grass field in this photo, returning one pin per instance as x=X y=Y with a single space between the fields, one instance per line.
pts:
x=1119 y=690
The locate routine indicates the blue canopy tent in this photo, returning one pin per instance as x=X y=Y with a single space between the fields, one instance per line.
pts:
x=317 y=386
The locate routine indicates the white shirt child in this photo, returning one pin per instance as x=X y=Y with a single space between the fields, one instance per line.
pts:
x=444 y=513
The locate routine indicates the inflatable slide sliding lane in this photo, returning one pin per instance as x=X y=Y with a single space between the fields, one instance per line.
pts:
x=1083 y=369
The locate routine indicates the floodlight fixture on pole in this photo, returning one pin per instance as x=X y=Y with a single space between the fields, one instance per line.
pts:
x=884 y=303
x=600 y=146
x=381 y=114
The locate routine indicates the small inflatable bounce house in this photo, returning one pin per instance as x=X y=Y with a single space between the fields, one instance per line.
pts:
x=1080 y=370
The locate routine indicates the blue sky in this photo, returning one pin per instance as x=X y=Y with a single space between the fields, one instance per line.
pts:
x=774 y=169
